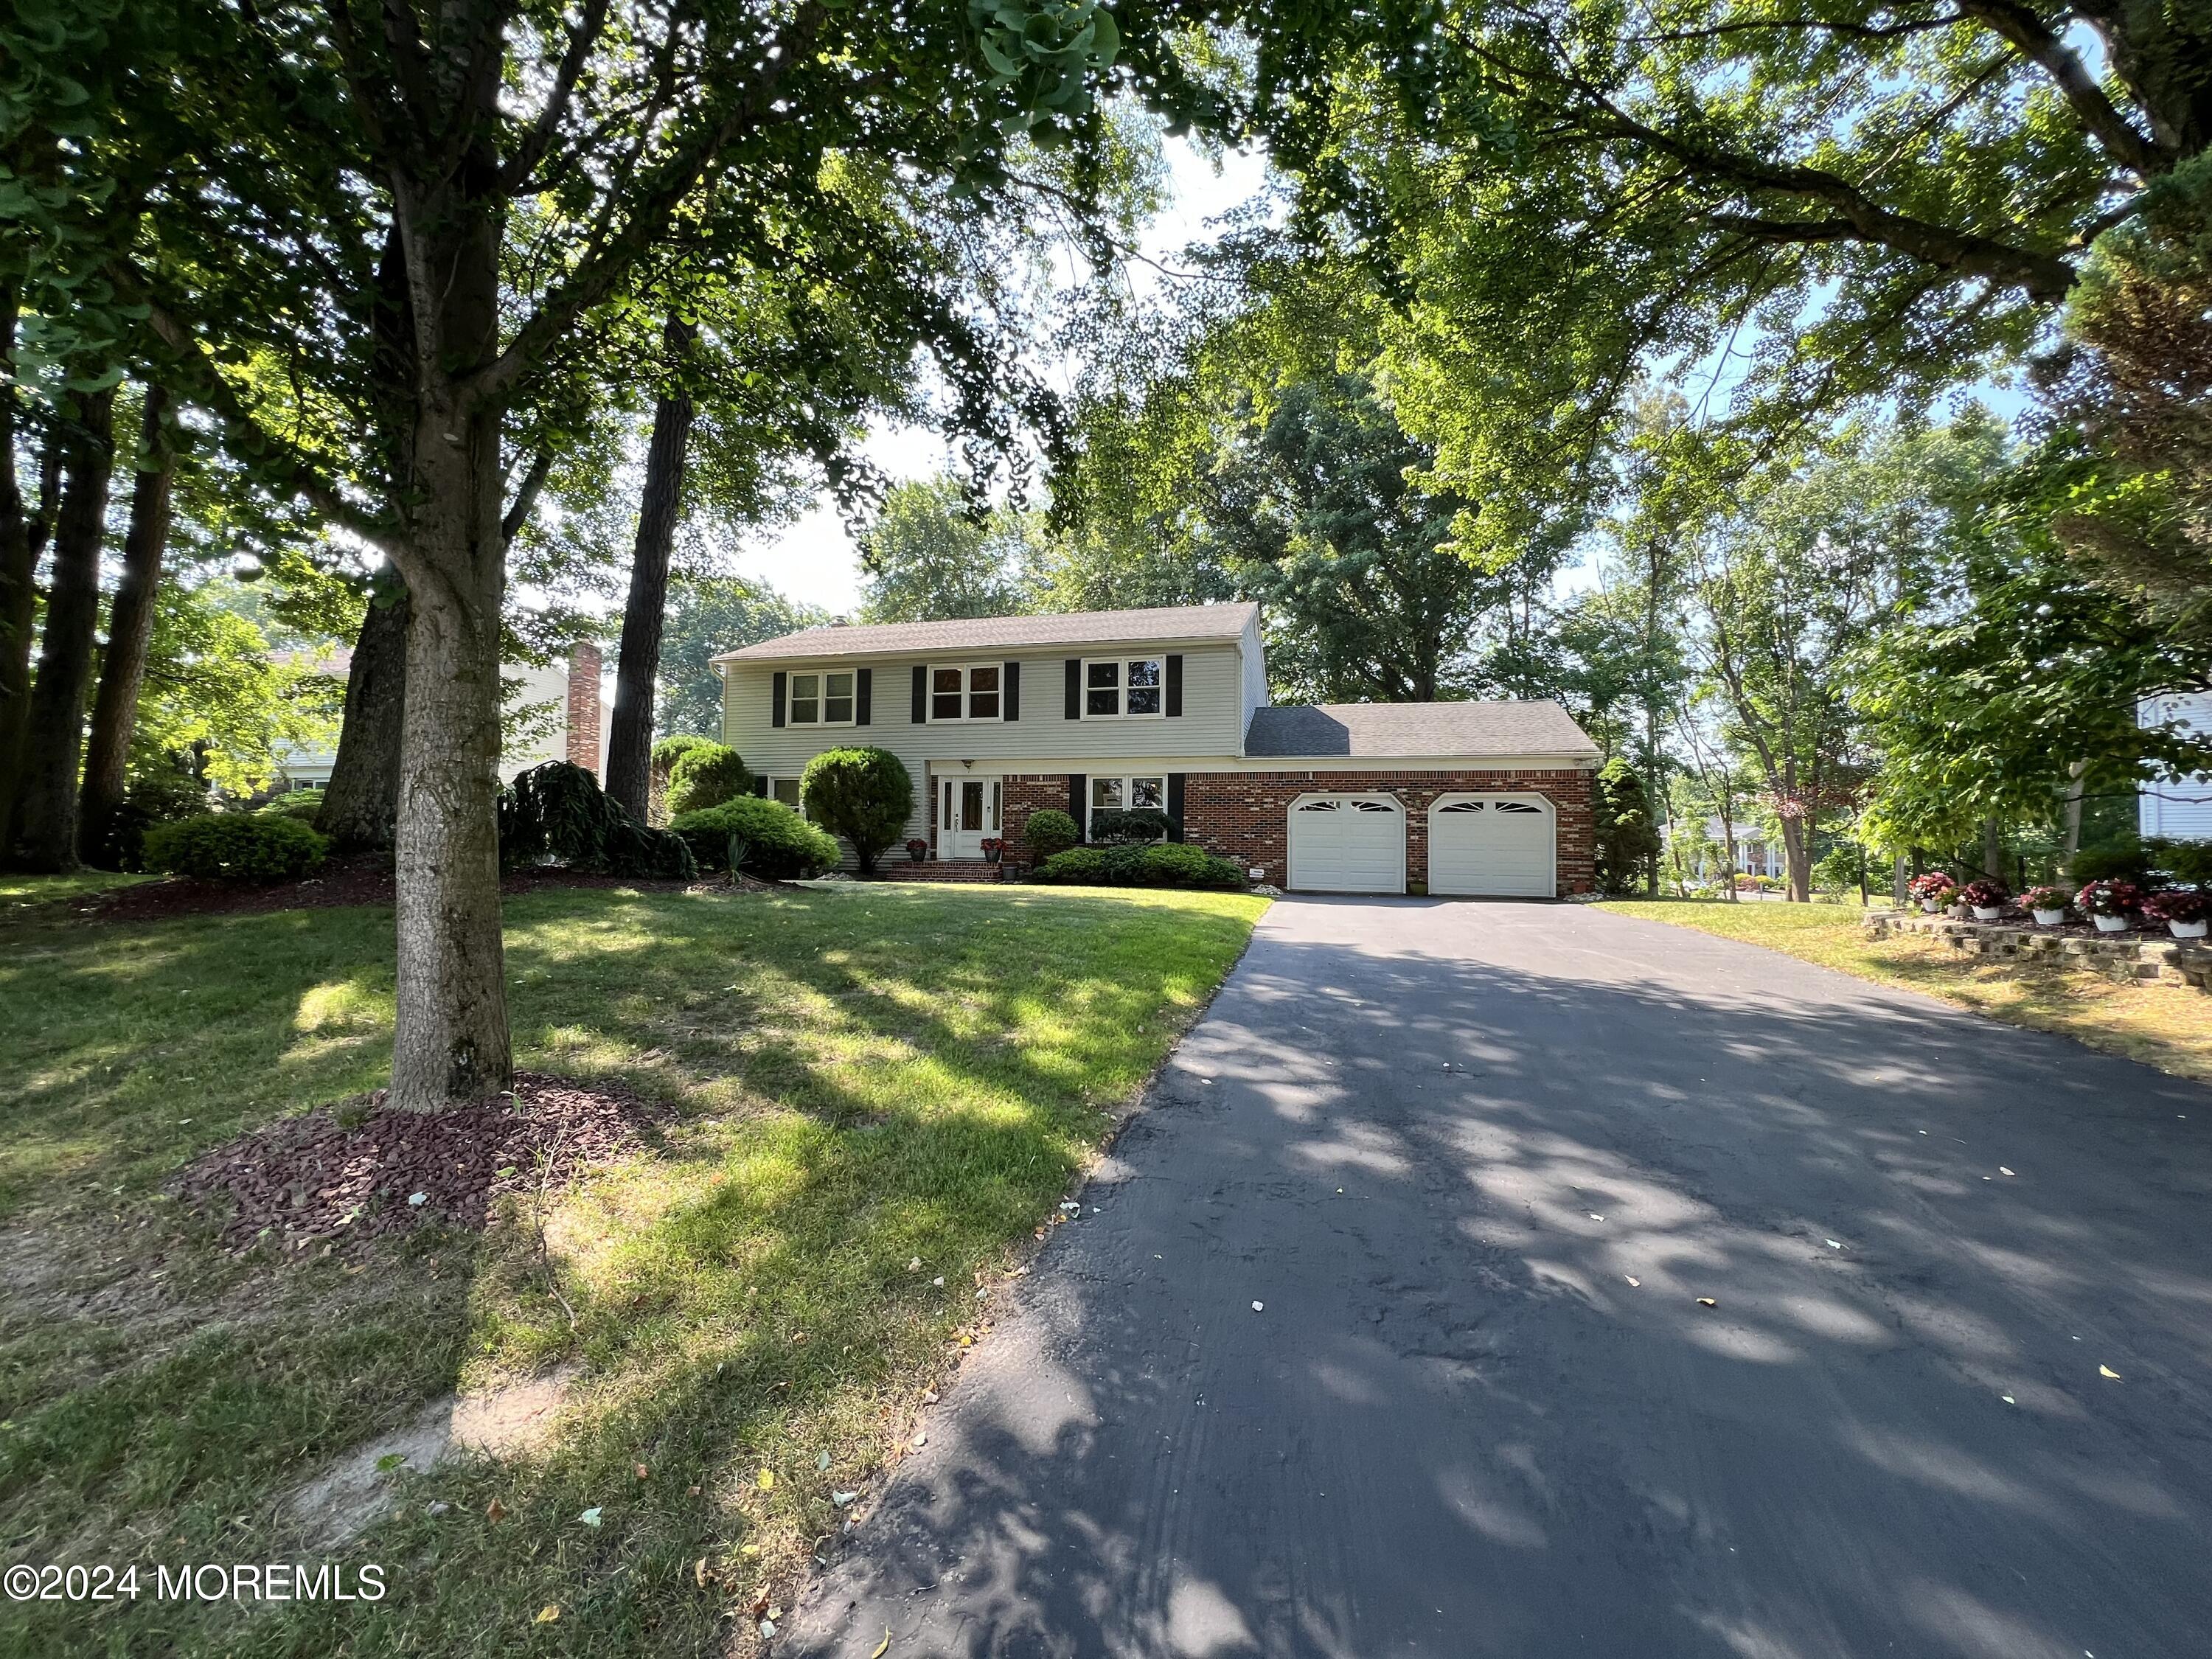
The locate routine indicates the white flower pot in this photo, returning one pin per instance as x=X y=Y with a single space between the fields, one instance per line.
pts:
x=2111 y=924
x=2188 y=929
x=1929 y=906
x=2049 y=918
x=1988 y=912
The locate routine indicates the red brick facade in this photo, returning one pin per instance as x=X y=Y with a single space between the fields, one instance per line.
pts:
x=1245 y=816
x=584 y=707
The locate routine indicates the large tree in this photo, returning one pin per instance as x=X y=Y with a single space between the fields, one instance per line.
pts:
x=509 y=172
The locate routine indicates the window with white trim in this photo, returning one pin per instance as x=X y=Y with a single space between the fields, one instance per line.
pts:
x=785 y=792
x=968 y=691
x=821 y=699
x=1128 y=792
x=1118 y=687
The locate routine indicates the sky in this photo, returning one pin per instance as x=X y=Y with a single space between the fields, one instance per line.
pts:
x=814 y=561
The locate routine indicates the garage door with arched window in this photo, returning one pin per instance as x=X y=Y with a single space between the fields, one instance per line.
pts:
x=1347 y=844
x=1493 y=847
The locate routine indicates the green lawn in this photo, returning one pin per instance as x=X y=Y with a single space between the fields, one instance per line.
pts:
x=864 y=1076
x=17 y=891
x=2168 y=1026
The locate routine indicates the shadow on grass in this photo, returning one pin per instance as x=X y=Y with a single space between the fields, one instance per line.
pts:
x=863 y=1080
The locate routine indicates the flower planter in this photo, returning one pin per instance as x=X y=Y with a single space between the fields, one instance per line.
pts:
x=1930 y=906
x=2188 y=929
x=2111 y=924
x=2049 y=918
x=1988 y=912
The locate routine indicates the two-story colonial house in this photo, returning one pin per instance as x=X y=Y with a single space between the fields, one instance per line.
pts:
x=1090 y=711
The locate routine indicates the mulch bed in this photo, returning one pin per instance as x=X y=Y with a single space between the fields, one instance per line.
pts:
x=364 y=880
x=310 y=1178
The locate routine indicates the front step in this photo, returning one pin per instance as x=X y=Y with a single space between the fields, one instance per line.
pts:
x=942 y=870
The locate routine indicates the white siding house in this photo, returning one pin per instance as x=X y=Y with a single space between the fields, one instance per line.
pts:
x=2181 y=810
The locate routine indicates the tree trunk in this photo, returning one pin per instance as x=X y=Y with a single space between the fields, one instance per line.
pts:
x=45 y=833
x=1993 y=847
x=1901 y=880
x=130 y=630
x=1799 y=858
x=22 y=541
x=1727 y=855
x=362 y=804
x=2077 y=774
x=450 y=1041
x=629 y=739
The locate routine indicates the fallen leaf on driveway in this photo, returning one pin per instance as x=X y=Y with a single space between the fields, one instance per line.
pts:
x=1832 y=1244
x=1707 y=1302
x=2106 y=1371
x=1637 y=1282
x=1594 y=1216
x=1258 y=1306
x=884 y=1646
x=2002 y=1170
x=2008 y=1399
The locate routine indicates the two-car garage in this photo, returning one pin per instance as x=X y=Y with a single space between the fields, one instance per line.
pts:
x=1488 y=846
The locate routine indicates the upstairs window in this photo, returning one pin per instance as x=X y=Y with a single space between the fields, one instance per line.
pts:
x=968 y=693
x=822 y=699
x=1118 y=687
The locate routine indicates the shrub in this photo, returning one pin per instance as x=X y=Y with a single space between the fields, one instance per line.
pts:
x=1985 y=893
x=1627 y=841
x=2176 y=904
x=774 y=841
x=669 y=751
x=556 y=813
x=1167 y=864
x=865 y=795
x=2127 y=863
x=704 y=775
x=2046 y=898
x=235 y=847
x=164 y=795
x=2188 y=861
x=1047 y=833
x=1128 y=827
x=305 y=804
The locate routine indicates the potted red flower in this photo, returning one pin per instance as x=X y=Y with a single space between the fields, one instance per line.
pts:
x=1986 y=898
x=1934 y=890
x=917 y=849
x=2111 y=904
x=2046 y=905
x=993 y=849
x=2186 y=911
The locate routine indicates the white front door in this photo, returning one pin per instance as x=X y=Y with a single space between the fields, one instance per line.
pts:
x=967 y=815
x=1348 y=844
x=1497 y=846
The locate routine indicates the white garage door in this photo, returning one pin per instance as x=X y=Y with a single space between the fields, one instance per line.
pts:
x=1348 y=844
x=1497 y=846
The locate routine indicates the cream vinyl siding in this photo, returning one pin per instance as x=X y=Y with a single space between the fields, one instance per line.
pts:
x=1210 y=727
x=1255 y=665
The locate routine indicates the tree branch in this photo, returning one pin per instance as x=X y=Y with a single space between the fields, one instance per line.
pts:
x=526 y=498
x=2032 y=37
x=539 y=139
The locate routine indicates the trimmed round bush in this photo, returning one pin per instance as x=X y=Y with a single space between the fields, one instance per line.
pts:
x=163 y=795
x=1172 y=863
x=864 y=794
x=1128 y=826
x=669 y=751
x=705 y=776
x=1047 y=833
x=235 y=847
x=305 y=804
x=778 y=843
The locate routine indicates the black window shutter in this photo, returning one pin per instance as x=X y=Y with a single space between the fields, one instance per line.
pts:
x=1010 y=678
x=920 y=694
x=1175 y=805
x=760 y=786
x=775 y=699
x=1076 y=784
x=863 y=686
x=1175 y=685
x=1074 y=710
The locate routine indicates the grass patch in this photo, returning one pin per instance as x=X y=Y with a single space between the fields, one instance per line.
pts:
x=2166 y=1025
x=19 y=890
x=863 y=1076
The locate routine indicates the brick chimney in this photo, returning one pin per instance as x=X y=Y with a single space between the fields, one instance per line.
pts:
x=584 y=707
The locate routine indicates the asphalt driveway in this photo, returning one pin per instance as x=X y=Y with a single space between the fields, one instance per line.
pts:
x=1477 y=1163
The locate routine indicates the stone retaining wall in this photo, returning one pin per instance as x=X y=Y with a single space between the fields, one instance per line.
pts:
x=2123 y=957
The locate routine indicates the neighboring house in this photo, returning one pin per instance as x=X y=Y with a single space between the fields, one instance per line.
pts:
x=2181 y=810
x=1754 y=854
x=999 y=717
x=551 y=712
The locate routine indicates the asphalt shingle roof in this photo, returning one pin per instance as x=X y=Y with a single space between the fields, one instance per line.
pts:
x=1180 y=621
x=1406 y=730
